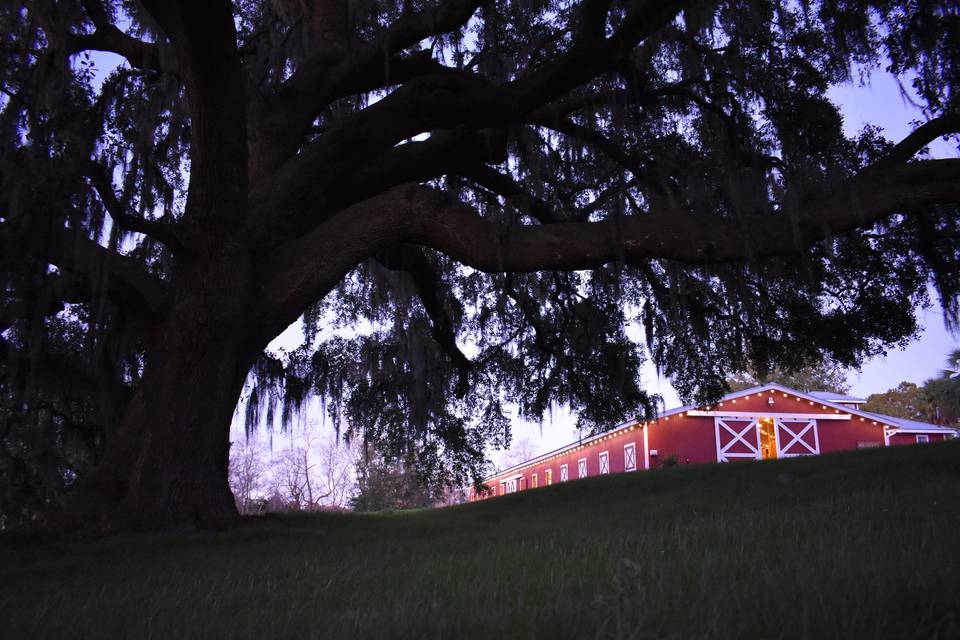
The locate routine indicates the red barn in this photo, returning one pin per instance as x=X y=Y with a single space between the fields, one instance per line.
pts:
x=766 y=422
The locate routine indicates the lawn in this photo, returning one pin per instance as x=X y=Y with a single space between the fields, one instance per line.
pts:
x=856 y=545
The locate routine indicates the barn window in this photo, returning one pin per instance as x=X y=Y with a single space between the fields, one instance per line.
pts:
x=582 y=468
x=604 y=462
x=630 y=457
x=548 y=476
x=564 y=476
x=534 y=483
x=923 y=438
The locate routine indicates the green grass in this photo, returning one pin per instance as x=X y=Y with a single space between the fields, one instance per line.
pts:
x=859 y=545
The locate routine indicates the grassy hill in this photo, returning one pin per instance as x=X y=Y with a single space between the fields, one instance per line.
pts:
x=858 y=545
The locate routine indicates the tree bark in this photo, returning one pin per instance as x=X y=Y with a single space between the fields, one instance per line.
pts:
x=166 y=467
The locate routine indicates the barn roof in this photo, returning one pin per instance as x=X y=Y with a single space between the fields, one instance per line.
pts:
x=836 y=397
x=913 y=426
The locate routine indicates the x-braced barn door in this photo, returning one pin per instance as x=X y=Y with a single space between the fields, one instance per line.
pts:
x=797 y=438
x=737 y=439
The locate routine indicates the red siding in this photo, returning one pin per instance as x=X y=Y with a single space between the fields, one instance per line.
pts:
x=843 y=435
x=898 y=439
x=691 y=440
x=613 y=444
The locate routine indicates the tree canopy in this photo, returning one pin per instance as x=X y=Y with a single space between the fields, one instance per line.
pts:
x=822 y=376
x=937 y=400
x=485 y=193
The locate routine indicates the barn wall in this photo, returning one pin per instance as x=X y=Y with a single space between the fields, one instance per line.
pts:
x=844 y=435
x=691 y=440
x=899 y=439
x=613 y=444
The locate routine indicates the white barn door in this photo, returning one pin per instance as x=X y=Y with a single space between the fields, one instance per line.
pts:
x=797 y=438
x=737 y=439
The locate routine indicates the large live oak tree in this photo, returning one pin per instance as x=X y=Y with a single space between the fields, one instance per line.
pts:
x=526 y=178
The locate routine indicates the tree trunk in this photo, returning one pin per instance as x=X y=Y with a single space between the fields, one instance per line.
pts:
x=166 y=466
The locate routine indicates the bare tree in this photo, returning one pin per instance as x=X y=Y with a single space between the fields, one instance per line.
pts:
x=521 y=451
x=315 y=471
x=249 y=474
x=336 y=471
x=292 y=472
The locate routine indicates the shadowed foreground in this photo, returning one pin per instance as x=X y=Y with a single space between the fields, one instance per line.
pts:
x=860 y=545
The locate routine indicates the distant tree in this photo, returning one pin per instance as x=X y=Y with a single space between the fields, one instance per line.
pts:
x=292 y=471
x=825 y=376
x=314 y=472
x=943 y=396
x=521 y=451
x=943 y=392
x=336 y=472
x=952 y=371
x=450 y=496
x=386 y=485
x=249 y=475
x=936 y=401
x=907 y=400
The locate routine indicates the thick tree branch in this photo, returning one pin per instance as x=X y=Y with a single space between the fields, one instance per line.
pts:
x=424 y=104
x=396 y=70
x=317 y=83
x=123 y=279
x=161 y=231
x=107 y=37
x=320 y=81
x=924 y=135
x=307 y=268
x=205 y=36
x=47 y=300
x=688 y=237
x=443 y=153
x=142 y=55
